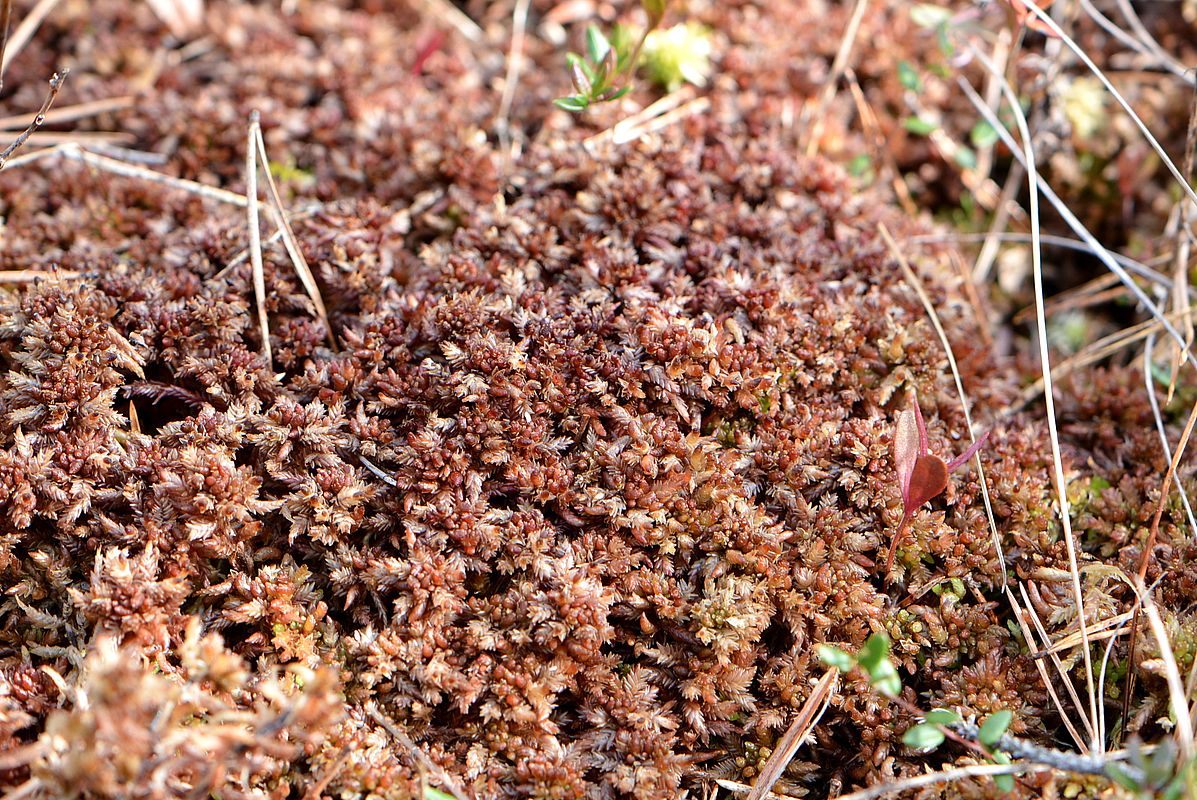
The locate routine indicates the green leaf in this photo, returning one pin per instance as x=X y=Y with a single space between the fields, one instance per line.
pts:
x=994 y=728
x=1004 y=783
x=923 y=737
x=945 y=44
x=655 y=9
x=612 y=94
x=965 y=157
x=874 y=652
x=596 y=44
x=576 y=62
x=926 y=15
x=436 y=794
x=835 y=657
x=859 y=165
x=573 y=104
x=885 y=679
x=942 y=716
x=908 y=76
x=918 y=126
x=1122 y=776
x=983 y=135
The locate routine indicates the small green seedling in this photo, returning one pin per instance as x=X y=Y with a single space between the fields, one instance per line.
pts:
x=594 y=76
x=608 y=63
x=873 y=659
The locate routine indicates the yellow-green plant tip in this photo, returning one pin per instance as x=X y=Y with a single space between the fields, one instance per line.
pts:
x=677 y=55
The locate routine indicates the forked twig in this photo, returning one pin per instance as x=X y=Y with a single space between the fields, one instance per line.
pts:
x=38 y=119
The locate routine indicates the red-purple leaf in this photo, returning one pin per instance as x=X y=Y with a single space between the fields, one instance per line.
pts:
x=928 y=480
x=969 y=453
x=906 y=451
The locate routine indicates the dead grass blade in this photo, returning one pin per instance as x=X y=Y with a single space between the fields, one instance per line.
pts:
x=1030 y=635
x=1176 y=692
x=515 y=64
x=1184 y=234
x=1149 y=384
x=809 y=715
x=1145 y=559
x=255 y=234
x=838 y=65
x=895 y=788
x=1061 y=480
x=290 y=242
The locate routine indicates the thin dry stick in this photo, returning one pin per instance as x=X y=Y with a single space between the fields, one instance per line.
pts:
x=85 y=138
x=70 y=113
x=809 y=715
x=39 y=118
x=24 y=32
x=1129 y=264
x=255 y=234
x=515 y=64
x=117 y=167
x=11 y=276
x=5 y=19
x=1148 y=546
x=422 y=759
x=1102 y=348
x=838 y=65
x=1098 y=630
x=1003 y=48
x=1007 y=207
x=698 y=105
x=457 y=18
x=625 y=127
x=1090 y=293
x=291 y=243
x=930 y=779
x=319 y=786
x=929 y=307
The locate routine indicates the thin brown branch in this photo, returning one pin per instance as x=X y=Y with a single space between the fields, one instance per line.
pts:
x=55 y=85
